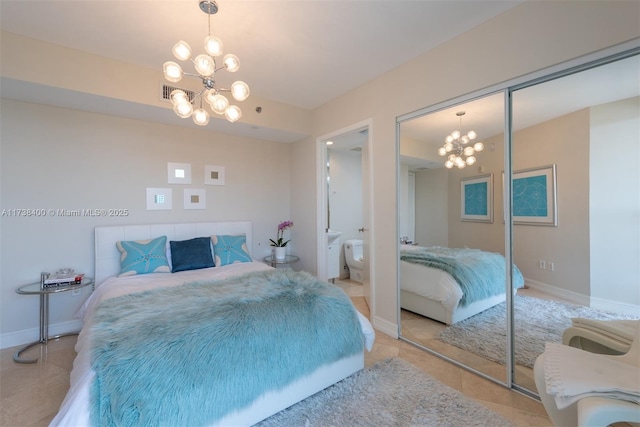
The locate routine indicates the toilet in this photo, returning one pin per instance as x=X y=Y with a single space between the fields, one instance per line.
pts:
x=353 y=257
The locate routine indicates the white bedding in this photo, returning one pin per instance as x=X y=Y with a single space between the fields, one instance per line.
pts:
x=74 y=410
x=431 y=283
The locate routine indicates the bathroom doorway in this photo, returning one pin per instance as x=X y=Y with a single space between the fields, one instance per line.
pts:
x=344 y=202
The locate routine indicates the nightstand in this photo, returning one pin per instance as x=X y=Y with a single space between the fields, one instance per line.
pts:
x=275 y=262
x=37 y=289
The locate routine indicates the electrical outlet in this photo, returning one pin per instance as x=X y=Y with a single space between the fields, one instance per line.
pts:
x=542 y=264
x=551 y=266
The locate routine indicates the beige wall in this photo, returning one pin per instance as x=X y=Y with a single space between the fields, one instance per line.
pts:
x=56 y=158
x=564 y=142
x=614 y=204
x=527 y=38
x=432 y=213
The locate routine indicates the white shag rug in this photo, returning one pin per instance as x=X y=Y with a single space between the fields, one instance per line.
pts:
x=391 y=393
x=536 y=321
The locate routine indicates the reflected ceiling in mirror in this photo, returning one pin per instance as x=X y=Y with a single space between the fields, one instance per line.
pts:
x=543 y=102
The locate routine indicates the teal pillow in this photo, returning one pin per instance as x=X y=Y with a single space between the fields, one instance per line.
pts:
x=230 y=249
x=192 y=254
x=143 y=256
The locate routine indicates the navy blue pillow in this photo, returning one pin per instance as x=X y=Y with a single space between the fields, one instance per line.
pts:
x=191 y=254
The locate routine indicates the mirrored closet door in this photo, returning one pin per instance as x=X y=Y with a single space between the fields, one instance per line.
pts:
x=572 y=169
x=575 y=159
x=452 y=212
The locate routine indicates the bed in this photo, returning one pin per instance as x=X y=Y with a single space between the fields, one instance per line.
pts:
x=191 y=344
x=428 y=286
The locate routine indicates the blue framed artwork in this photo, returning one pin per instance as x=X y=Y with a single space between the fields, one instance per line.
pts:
x=534 y=196
x=476 y=198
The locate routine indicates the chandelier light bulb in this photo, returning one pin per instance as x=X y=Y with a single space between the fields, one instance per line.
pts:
x=213 y=46
x=470 y=160
x=231 y=63
x=177 y=96
x=442 y=151
x=455 y=134
x=183 y=109
x=448 y=147
x=478 y=146
x=182 y=50
x=219 y=104
x=240 y=90
x=172 y=71
x=471 y=135
x=448 y=139
x=205 y=65
x=201 y=117
x=464 y=139
x=468 y=151
x=209 y=95
x=233 y=113
x=448 y=164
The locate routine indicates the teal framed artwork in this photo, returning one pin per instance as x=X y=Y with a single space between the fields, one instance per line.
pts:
x=476 y=198
x=534 y=196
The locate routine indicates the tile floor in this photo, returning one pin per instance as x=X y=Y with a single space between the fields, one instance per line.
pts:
x=31 y=394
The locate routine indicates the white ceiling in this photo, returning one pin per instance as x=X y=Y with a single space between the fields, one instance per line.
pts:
x=532 y=105
x=300 y=52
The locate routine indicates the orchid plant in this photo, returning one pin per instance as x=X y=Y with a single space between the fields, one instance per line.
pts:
x=280 y=242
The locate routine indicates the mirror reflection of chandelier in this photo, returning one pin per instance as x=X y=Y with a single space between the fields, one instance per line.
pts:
x=205 y=66
x=457 y=147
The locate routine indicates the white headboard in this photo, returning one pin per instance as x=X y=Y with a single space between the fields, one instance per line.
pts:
x=107 y=256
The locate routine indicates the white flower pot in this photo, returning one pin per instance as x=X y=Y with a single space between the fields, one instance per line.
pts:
x=280 y=253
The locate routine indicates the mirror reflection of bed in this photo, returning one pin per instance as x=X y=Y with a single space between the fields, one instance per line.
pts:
x=570 y=263
x=452 y=284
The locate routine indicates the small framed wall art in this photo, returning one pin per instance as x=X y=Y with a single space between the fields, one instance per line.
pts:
x=476 y=198
x=534 y=196
x=195 y=198
x=213 y=175
x=178 y=173
x=159 y=199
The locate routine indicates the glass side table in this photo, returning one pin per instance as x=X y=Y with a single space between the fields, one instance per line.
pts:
x=275 y=262
x=36 y=289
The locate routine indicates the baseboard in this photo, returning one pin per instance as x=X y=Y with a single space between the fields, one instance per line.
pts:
x=385 y=327
x=576 y=298
x=554 y=291
x=615 y=306
x=26 y=336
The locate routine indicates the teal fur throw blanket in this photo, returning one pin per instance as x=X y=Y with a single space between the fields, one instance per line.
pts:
x=480 y=274
x=188 y=355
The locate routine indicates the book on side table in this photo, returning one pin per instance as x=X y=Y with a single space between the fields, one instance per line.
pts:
x=62 y=277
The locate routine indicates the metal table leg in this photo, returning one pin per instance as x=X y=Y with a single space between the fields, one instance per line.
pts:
x=44 y=331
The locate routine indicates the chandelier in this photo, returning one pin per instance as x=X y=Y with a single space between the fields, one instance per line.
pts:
x=457 y=147
x=206 y=68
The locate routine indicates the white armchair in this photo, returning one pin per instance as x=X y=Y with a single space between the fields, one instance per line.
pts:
x=600 y=336
x=594 y=410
